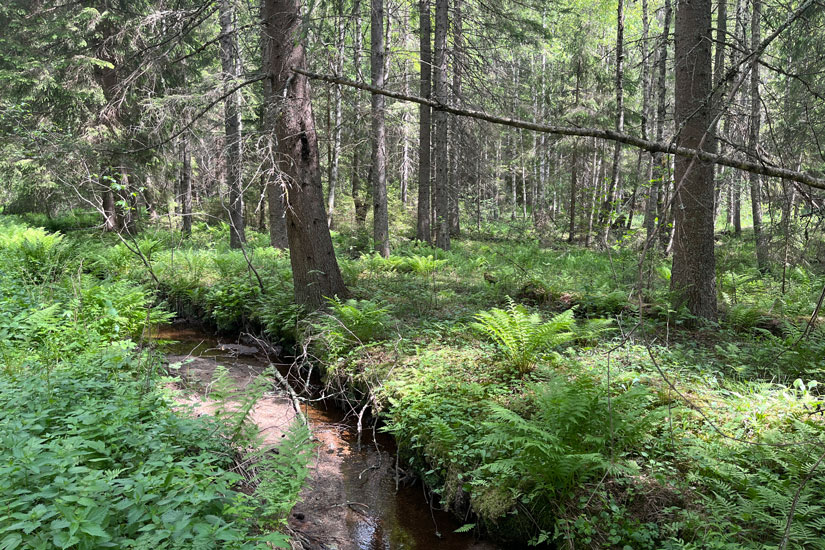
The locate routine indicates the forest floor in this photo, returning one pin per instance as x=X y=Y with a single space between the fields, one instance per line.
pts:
x=521 y=384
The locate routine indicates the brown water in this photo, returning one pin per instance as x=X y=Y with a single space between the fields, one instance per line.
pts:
x=351 y=502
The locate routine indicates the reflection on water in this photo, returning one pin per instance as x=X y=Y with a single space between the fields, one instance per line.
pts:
x=376 y=517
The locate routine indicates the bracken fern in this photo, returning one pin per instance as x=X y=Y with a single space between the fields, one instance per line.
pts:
x=523 y=336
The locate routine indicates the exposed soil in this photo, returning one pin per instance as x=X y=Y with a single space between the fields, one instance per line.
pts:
x=350 y=502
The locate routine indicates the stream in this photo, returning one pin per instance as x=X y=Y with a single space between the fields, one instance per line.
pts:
x=350 y=501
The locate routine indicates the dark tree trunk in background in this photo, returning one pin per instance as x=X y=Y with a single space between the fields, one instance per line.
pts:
x=693 y=278
x=233 y=154
x=109 y=214
x=753 y=143
x=442 y=239
x=574 y=185
x=359 y=202
x=457 y=157
x=659 y=159
x=718 y=75
x=378 y=170
x=612 y=189
x=185 y=193
x=422 y=232
x=315 y=271
x=338 y=111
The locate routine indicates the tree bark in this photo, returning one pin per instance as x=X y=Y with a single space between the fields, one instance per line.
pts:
x=338 y=110
x=274 y=182
x=315 y=270
x=360 y=203
x=378 y=171
x=442 y=239
x=612 y=190
x=456 y=153
x=693 y=276
x=659 y=159
x=186 y=187
x=762 y=166
x=574 y=184
x=422 y=232
x=753 y=142
x=233 y=153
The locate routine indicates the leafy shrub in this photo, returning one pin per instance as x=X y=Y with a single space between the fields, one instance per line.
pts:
x=421 y=265
x=33 y=253
x=523 y=337
x=117 y=309
x=94 y=462
x=281 y=475
x=566 y=440
x=743 y=317
x=352 y=322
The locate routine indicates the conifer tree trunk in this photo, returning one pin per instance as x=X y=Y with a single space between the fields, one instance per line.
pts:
x=659 y=159
x=315 y=270
x=338 y=110
x=612 y=190
x=574 y=183
x=359 y=202
x=457 y=157
x=378 y=170
x=273 y=181
x=693 y=276
x=718 y=74
x=233 y=154
x=186 y=187
x=753 y=142
x=422 y=232
x=440 y=118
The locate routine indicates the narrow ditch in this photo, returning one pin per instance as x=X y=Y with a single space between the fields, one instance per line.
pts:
x=351 y=501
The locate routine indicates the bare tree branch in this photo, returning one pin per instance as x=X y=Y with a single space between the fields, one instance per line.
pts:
x=763 y=167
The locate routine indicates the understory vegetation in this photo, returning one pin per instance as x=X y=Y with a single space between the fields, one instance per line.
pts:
x=94 y=451
x=521 y=385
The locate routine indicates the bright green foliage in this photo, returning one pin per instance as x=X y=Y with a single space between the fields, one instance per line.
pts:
x=33 y=253
x=281 y=475
x=568 y=439
x=523 y=337
x=92 y=453
x=93 y=461
x=357 y=321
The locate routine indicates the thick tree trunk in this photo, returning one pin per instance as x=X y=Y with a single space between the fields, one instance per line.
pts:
x=274 y=181
x=693 y=278
x=378 y=170
x=315 y=271
x=422 y=232
x=233 y=154
x=442 y=239
x=753 y=142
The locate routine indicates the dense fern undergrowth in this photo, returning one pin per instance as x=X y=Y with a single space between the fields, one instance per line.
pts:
x=518 y=380
x=94 y=453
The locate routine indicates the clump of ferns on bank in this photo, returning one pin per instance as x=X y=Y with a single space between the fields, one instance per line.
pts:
x=524 y=337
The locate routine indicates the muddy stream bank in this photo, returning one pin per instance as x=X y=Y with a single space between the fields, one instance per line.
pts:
x=350 y=501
